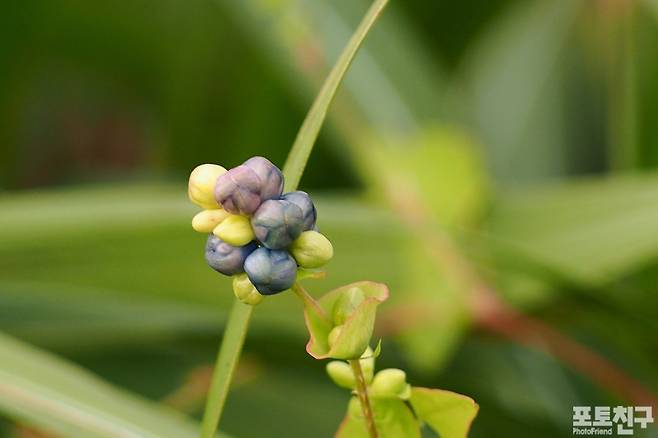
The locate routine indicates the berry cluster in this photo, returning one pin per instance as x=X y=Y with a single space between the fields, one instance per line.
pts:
x=258 y=234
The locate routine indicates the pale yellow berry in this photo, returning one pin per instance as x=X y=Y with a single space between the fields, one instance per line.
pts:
x=201 y=186
x=207 y=220
x=235 y=230
x=245 y=291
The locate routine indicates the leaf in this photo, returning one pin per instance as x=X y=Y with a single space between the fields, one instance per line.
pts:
x=52 y=394
x=308 y=133
x=431 y=314
x=393 y=419
x=357 y=328
x=449 y=414
x=441 y=165
x=589 y=231
x=514 y=89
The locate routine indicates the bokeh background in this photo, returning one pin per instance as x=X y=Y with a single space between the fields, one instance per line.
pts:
x=493 y=161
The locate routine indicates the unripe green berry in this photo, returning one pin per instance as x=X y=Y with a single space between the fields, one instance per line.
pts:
x=312 y=250
x=341 y=373
x=346 y=304
x=390 y=383
x=206 y=220
x=245 y=291
x=235 y=230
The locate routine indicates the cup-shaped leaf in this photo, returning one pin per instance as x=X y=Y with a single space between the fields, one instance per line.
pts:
x=449 y=414
x=356 y=307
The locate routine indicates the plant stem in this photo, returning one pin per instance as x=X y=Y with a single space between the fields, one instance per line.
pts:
x=238 y=321
x=229 y=354
x=308 y=300
x=362 y=393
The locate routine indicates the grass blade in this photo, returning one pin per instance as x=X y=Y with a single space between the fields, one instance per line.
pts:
x=52 y=394
x=308 y=133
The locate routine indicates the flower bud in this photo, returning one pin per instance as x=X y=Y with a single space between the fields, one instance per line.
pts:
x=270 y=271
x=225 y=258
x=235 y=230
x=245 y=291
x=304 y=202
x=206 y=220
x=312 y=250
x=201 y=187
x=270 y=176
x=238 y=190
x=346 y=304
x=277 y=223
x=341 y=373
x=334 y=334
x=390 y=383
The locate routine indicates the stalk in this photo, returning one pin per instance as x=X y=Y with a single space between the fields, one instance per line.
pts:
x=238 y=320
x=362 y=393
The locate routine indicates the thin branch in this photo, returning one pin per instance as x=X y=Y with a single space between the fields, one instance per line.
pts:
x=362 y=393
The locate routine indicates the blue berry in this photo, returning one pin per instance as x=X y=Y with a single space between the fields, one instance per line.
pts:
x=304 y=202
x=227 y=259
x=277 y=223
x=270 y=271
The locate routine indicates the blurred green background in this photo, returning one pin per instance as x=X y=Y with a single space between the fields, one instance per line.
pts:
x=494 y=162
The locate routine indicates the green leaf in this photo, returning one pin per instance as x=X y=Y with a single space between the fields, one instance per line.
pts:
x=357 y=327
x=449 y=414
x=50 y=393
x=514 y=89
x=393 y=419
x=443 y=166
x=589 y=231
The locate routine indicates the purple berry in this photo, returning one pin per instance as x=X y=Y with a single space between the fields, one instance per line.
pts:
x=270 y=271
x=238 y=190
x=227 y=259
x=270 y=176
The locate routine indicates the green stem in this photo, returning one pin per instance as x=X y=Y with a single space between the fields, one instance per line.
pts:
x=362 y=393
x=238 y=321
x=308 y=300
x=229 y=353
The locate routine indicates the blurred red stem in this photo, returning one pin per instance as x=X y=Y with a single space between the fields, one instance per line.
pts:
x=495 y=316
